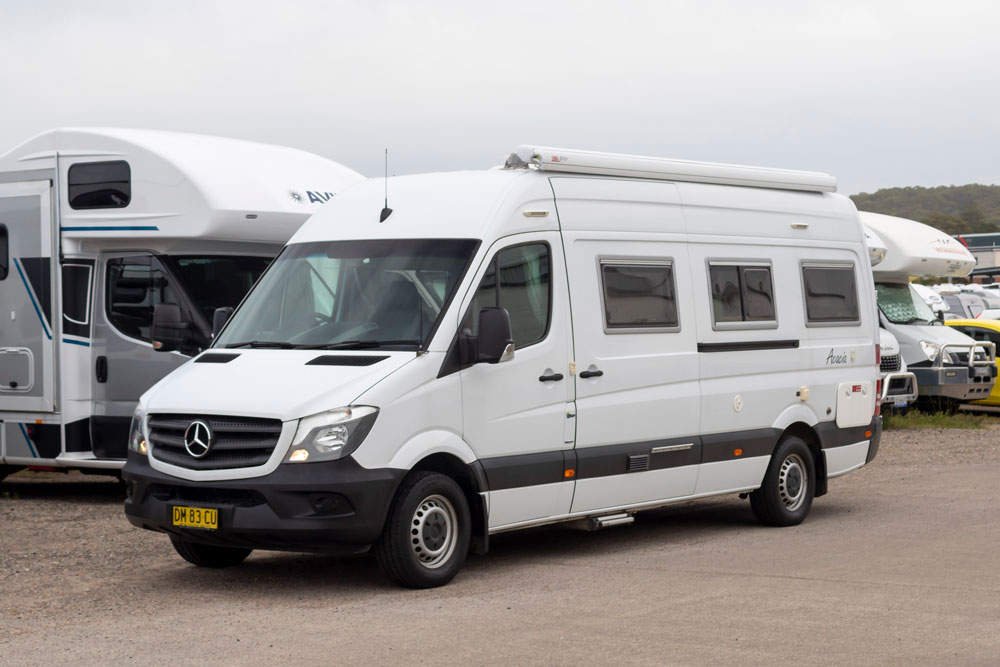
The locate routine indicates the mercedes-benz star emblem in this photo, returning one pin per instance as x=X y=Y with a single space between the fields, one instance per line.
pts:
x=198 y=439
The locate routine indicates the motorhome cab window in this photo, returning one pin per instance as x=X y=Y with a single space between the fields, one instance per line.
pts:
x=76 y=298
x=351 y=295
x=831 y=294
x=135 y=285
x=4 y=253
x=219 y=282
x=742 y=293
x=638 y=295
x=901 y=304
x=524 y=289
x=100 y=185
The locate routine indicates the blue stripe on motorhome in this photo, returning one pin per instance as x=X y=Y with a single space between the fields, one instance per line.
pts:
x=138 y=228
x=27 y=439
x=38 y=311
x=76 y=342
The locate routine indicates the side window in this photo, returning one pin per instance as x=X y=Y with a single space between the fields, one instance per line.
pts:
x=517 y=279
x=4 y=253
x=831 y=294
x=742 y=293
x=100 y=185
x=638 y=295
x=76 y=299
x=135 y=285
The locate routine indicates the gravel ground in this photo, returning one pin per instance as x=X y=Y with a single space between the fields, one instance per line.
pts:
x=897 y=565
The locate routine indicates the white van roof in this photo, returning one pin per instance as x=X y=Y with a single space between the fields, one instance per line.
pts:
x=188 y=185
x=916 y=249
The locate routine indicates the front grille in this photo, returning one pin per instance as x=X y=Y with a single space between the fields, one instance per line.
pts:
x=890 y=364
x=237 y=442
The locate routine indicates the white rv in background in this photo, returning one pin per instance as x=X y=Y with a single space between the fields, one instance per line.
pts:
x=575 y=337
x=948 y=365
x=97 y=228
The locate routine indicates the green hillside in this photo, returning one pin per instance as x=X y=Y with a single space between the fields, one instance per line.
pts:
x=955 y=209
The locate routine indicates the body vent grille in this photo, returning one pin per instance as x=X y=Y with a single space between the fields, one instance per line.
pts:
x=338 y=360
x=890 y=364
x=638 y=462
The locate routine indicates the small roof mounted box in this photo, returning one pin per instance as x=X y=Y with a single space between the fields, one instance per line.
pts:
x=664 y=169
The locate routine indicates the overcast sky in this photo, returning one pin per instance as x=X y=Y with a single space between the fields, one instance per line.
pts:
x=880 y=94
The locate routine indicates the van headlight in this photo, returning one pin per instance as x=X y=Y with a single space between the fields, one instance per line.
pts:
x=137 y=433
x=331 y=435
x=930 y=349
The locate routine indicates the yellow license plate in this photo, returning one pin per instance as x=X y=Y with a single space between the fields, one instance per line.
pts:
x=195 y=517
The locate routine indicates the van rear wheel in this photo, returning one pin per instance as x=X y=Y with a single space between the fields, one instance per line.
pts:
x=786 y=495
x=207 y=555
x=426 y=537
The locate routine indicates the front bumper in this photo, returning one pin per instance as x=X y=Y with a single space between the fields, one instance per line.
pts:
x=332 y=507
x=963 y=383
x=898 y=388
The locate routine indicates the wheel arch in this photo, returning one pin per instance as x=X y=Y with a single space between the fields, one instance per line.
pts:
x=472 y=480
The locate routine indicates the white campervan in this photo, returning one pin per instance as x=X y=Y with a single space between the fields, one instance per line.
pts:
x=97 y=228
x=576 y=336
x=949 y=366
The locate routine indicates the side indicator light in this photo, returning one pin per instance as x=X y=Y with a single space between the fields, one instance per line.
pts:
x=569 y=473
x=868 y=434
x=737 y=452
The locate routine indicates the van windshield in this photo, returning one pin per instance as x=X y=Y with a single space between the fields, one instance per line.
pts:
x=351 y=295
x=901 y=304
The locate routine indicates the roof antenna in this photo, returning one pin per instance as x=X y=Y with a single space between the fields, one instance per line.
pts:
x=386 y=212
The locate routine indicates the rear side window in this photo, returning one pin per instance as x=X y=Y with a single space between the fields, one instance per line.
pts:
x=4 y=253
x=831 y=294
x=76 y=299
x=742 y=293
x=100 y=185
x=517 y=279
x=638 y=295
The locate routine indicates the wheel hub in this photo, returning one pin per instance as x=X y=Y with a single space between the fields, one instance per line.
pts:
x=433 y=531
x=792 y=482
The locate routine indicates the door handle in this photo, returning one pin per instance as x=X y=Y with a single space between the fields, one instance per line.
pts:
x=101 y=369
x=591 y=374
x=555 y=377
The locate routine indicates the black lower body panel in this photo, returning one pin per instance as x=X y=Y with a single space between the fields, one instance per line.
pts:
x=332 y=507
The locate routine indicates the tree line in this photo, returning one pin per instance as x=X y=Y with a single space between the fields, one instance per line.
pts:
x=954 y=209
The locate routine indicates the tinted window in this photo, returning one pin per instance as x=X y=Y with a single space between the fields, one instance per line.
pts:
x=523 y=288
x=831 y=294
x=76 y=294
x=742 y=293
x=221 y=282
x=4 y=254
x=100 y=185
x=638 y=296
x=135 y=285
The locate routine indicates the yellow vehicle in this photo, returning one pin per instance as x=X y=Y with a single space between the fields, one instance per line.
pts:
x=987 y=331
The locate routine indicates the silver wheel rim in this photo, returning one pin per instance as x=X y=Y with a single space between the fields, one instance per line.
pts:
x=792 y=482
x=434 y=531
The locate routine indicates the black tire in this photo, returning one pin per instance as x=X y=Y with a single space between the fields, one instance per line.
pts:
x=8 y=470
x=426 y=536
x=785 y=497
x=207 y=555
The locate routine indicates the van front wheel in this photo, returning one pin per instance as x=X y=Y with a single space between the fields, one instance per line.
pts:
x=427 y=534
x=785 y=497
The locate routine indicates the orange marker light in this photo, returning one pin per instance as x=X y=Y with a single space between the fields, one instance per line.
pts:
x=569 y=473
x=868 y=434
x=737 y=452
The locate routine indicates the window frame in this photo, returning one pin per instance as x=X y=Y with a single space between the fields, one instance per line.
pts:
x=828 y=264
x=88 y=307
x=492 y=260
x=616 y=260
x=740 y=265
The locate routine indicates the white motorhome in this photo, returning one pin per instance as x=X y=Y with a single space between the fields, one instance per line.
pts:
x=948 y=365
x=575 y=337
x=99 y=226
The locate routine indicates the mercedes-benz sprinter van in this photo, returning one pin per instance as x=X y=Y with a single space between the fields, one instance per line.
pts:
x=574 y=337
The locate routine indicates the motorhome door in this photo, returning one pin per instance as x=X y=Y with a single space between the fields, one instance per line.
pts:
x=27 y=294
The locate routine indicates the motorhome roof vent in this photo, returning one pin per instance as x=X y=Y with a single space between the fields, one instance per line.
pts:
x=664 y=169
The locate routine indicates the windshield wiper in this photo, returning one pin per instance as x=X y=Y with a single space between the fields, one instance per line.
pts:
x=359 y=344
x=278 y=345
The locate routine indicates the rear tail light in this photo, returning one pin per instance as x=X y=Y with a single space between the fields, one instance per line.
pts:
x=878 y=354
x=878 y=398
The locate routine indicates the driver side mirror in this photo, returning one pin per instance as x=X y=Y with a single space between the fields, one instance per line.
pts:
x=219 y=318
x=496 y=343
x=170 y=330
